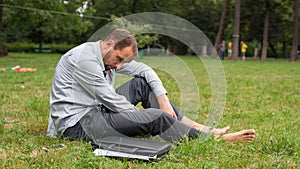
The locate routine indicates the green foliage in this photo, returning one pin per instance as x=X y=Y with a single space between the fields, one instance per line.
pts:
x=280 y=24
x=137 y=29
x=62 y=22
x=60 y=48
x=39 y=23
x=20 y=47
x=262 y=95
x=31 y=47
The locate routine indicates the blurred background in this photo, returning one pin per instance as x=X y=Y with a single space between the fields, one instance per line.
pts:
x=270 y=28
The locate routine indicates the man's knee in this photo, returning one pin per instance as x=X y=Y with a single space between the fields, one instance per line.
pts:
x=155 y=114
x=140 y=81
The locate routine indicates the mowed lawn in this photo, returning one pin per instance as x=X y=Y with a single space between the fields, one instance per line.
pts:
x=263 y=95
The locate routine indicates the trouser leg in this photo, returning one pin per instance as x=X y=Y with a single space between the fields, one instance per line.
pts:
x=99 y=123
x=137 y=90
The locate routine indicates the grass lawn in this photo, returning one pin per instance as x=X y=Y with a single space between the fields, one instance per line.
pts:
x=264 y=96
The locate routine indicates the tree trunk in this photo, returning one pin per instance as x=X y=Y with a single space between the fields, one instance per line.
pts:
x=266 y=32
x=273 y=49
x=294 y=53
x=3 y=51
x=221 y=26
x=236 y=30
x=40 y=40
x=283 y=50
x=134 y=6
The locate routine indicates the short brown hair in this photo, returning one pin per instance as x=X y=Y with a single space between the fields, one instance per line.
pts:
x=123 y=38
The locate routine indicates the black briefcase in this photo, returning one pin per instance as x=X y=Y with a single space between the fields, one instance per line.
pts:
x=130 y=147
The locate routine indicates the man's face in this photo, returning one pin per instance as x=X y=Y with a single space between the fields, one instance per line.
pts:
x=114 y=59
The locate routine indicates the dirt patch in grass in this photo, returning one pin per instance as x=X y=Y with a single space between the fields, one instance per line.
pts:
x=9 y=122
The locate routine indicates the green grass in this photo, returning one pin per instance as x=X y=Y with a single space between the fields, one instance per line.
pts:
x=260 y=95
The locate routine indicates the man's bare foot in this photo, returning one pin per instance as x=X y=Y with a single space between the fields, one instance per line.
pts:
x=241 y=136
x=221 y=131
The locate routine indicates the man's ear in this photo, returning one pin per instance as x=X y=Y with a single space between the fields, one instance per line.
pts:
x=109 y=44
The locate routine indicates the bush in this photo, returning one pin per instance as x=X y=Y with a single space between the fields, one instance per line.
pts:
x=29 y=47
x=20 y=47
x=60 y=48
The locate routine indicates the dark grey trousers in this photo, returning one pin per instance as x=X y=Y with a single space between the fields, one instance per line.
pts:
x=101 y=122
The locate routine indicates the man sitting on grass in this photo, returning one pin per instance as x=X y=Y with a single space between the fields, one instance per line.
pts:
x=84 y=104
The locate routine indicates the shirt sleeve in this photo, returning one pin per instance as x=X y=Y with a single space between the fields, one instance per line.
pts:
x=142 y=70
x=89 y=75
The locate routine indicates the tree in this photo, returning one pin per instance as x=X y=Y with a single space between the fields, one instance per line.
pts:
x=3 y=51
x=270 y=5
x=296 y=32
x=142 y=39
x=236 y=30
x=266 y=31
x=58 y=21
x=281 y=28
x=221 y=25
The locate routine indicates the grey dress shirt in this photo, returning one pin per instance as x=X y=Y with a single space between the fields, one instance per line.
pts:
x=80 y=84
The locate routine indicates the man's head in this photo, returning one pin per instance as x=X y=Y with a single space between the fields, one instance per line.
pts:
x=119 y=47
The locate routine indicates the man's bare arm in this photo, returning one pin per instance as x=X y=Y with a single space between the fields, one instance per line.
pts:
x=164 y=104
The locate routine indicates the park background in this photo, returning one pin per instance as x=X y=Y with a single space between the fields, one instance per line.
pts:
x=270 y=25
x=263 y=92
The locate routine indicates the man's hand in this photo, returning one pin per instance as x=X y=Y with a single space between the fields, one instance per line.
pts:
x=164 y=104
